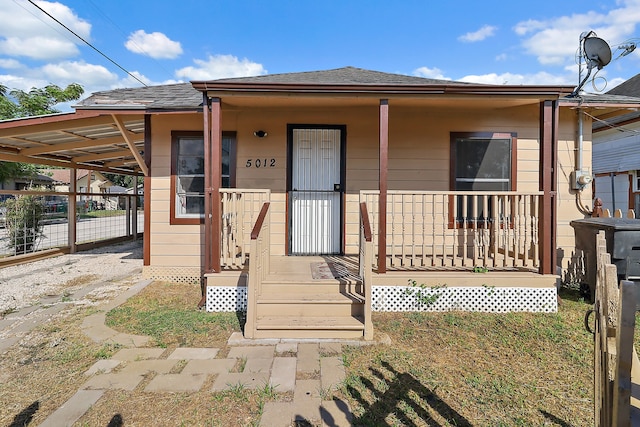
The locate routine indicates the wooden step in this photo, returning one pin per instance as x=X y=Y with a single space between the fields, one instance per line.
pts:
x=309 y=327
x=311 y=298
x=310 y=323
x=309 y=287
x=310 y=305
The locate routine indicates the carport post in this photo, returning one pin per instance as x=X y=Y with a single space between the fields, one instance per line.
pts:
x=134 y=214
x=127 y=207
x=71 y=211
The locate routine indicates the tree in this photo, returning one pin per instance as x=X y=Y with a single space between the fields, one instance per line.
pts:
x=37 y=102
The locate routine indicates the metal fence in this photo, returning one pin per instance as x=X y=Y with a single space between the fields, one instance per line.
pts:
x=32 y=221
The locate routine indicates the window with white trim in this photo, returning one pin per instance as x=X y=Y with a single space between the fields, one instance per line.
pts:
x=187 y=195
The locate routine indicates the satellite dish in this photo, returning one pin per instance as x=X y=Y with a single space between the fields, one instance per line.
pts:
x=597 y=52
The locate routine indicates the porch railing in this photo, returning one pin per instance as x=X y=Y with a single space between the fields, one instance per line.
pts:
x=364 y=264
x=240 y=209
x=258 y=267
x=458 y=230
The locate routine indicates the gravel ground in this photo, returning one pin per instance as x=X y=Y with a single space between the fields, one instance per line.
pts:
x=25 y=285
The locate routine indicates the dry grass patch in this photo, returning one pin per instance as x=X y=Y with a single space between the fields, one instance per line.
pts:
x=474 y=369
x=45 y=369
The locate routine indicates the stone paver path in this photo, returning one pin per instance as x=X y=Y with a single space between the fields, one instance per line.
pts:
x=308 y=370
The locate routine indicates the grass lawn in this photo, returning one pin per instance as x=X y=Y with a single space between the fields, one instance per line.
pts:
x=441 y=369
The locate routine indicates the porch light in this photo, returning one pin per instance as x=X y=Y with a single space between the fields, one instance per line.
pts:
x=260 y=133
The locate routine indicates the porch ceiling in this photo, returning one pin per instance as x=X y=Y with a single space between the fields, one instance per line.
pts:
x=89 y=140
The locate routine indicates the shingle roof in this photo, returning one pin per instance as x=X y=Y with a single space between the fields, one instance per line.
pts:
x=630 y=87
x=339 y=76
x=173 y=96
x=184 y=96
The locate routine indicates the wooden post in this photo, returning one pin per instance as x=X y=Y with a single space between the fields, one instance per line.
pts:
x=547 y=211
x=71 y=210
x=215 y=177
x=624 y=351
x=147 y=192
x=383 y=186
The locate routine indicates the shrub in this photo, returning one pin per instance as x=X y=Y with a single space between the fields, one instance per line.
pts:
x=24 y=216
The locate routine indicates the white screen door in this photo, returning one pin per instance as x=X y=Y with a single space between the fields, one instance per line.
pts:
x=315 y=191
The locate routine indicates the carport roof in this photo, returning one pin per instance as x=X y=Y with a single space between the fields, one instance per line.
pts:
x=83 y=140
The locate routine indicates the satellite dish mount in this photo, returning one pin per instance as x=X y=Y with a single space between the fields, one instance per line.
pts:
x=595 y=53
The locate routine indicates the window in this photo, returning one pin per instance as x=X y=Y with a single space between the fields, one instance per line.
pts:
x=636 y=181
x=187 y=170
x=481 y=162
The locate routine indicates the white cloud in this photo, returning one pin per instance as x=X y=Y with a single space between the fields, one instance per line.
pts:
x=555 y=41
x=10 y=64
x=476 y=36
x=502 y=57
x=156 y=45
x=219 y=67
x=28 y=32
x=430 y=73
x=540 y=78
x=67 y=72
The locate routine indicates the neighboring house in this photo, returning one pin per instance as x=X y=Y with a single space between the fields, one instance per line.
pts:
x=91 y=184
x=312 y=198
x=24 y=183
x=616 y=155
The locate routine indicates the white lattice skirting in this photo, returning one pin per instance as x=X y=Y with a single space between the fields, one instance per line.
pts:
x=405 y=298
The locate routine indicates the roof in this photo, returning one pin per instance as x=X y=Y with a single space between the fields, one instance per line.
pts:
x=630 y=87
x=340 y=76
x=188 y=96
x=629 y=90
x=63 y=176
x=180 y=96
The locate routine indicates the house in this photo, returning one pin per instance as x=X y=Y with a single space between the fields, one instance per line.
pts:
x=91 y=185
x=311 y=199
x=23 y=183
x=616 y=154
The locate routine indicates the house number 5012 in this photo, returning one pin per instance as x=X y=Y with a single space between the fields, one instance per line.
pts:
x=260 y=163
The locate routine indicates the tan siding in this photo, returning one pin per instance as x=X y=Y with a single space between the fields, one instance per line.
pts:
x=418 y=160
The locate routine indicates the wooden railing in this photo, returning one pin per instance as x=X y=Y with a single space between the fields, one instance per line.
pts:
x=258 y=267
x=616 y=365
x=240 y=208
x=365 y=265
x=456 y=229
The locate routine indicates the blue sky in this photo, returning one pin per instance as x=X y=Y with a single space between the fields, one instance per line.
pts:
x=161 y=41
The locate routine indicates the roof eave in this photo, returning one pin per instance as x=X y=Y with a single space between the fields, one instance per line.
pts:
x=346 y=89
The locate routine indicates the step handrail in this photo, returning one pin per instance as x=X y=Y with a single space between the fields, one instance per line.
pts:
x=365 y=268
x=258 y=267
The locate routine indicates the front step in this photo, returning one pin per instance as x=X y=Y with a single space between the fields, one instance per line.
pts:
x=309 y=327
x=310 y=305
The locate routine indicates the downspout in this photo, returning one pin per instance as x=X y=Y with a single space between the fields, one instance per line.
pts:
x=612 y=175
x=577 y=175
x=580 y=140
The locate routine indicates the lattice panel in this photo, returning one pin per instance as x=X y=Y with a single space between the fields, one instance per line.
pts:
x=173 y=274
x=480 y=299
x=404 y=298
x=226 y=298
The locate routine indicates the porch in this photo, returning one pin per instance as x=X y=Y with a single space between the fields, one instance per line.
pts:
x=443 y=251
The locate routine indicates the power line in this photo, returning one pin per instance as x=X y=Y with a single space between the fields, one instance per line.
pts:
x=87 y=43
x=142 y=49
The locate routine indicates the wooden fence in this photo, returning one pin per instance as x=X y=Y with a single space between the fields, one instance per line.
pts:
x=616 y=366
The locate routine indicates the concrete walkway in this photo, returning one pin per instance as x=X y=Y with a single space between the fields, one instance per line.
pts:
x=309 y=369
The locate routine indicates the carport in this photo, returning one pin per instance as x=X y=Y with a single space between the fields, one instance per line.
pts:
x=106 y=141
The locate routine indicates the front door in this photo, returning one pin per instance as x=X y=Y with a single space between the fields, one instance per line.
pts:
x=315 y=189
